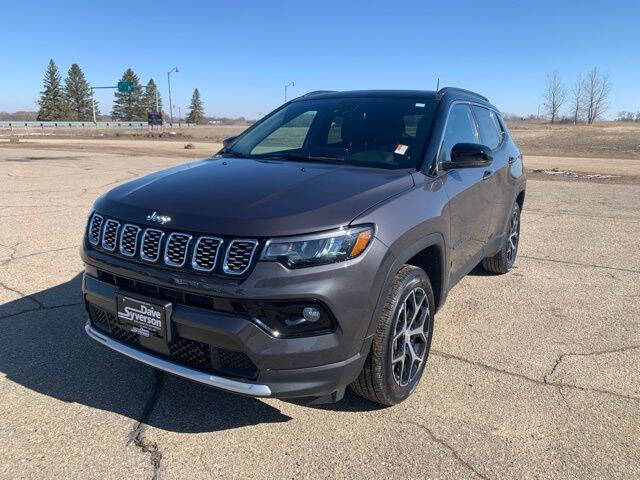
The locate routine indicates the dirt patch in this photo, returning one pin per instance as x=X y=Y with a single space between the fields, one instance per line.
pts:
x=570 y=176
x=39 y=159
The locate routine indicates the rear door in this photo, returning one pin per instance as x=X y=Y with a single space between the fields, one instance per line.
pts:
x=496 y=184
x=469 y=204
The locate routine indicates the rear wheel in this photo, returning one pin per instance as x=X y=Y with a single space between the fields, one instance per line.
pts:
x=402 y=340
x=506 y=257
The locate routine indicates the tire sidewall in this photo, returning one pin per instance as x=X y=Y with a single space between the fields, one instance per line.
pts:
x=416 y=278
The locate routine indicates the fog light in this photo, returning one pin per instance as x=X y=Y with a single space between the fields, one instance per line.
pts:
x=311 y=314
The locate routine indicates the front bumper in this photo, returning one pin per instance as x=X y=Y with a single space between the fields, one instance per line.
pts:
x=312 y=368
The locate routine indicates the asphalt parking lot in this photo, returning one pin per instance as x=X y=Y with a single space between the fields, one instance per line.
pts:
x=534 y=374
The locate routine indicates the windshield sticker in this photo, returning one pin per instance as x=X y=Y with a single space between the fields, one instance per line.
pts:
x=401 y=149
x=421 y=105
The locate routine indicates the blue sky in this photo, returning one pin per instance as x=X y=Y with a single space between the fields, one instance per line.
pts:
x=240 y=54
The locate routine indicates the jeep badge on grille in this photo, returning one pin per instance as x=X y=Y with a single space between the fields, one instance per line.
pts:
x=161 y=219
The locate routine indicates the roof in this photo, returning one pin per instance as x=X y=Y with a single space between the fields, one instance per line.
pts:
x=369 y=94
x=426 y=94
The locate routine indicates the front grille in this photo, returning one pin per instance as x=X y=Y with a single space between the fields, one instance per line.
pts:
x=205 y=253
x=129 y=240
x=151 y=239
x=95 y=228
x=236 y=363
x=183 y=351
x=110 y=235
x=175 y=253
x=239 y=256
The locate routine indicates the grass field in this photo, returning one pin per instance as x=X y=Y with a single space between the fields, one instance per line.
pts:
x=601 y=140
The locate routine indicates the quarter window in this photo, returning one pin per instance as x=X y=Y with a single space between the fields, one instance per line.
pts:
x=488 y=125
x=461 y=128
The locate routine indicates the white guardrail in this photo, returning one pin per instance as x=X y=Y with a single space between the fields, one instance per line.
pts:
x=21 y=124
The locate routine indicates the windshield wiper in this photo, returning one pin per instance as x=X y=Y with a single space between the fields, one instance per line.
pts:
x=299 y=157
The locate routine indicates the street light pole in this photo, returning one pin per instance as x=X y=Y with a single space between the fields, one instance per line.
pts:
x=174 y=69
x=290 y=84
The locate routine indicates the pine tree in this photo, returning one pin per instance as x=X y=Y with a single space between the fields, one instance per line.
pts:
x=150 y=97
x=78 y=94
x=130 y=106
x=53 y=104
x=196 y=115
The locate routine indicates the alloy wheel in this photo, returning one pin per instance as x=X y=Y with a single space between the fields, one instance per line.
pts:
x=409 y=344
x=514 y=234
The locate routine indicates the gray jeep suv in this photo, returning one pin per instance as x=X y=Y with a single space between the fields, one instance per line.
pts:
x=313 y=251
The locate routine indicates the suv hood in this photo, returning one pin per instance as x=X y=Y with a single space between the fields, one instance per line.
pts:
x=253 y=198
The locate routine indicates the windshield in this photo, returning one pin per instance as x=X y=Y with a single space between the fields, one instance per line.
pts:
x=373 y=132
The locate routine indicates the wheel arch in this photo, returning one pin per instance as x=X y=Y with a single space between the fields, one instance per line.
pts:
x=428 y=253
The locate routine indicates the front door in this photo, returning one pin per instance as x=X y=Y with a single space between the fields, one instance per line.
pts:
x=470 y=205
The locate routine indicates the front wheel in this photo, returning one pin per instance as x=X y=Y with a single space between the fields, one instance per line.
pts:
x=402 y=340
x=506 y=257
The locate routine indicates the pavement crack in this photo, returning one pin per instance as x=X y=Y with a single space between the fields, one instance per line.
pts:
x=578 y=264
x=584 y=354
x=447 y=446
x=136 y=436
x=23 y=295
x=38 y=309
x=542 y=382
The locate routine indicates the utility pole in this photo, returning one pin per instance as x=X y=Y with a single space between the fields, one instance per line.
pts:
x=290 y=84
x=179 y=115
x=174 y=69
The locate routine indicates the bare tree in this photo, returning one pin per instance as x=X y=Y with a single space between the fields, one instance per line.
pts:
x=554 y=95
x=577 y=98
x=596 y=94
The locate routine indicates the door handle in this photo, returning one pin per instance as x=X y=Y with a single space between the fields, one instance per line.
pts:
x=487 y=174
x=512 y=160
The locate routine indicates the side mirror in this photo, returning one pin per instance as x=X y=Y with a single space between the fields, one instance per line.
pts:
x=468 y=155
x=226 y=143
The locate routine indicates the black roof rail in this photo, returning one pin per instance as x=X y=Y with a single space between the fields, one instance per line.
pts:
x=317 y=92
x=444 y=90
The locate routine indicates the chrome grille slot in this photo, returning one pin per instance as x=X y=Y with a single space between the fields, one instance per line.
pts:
x=175 y=252
x=129 y=240
x=95 y=228
x=194 y=253
x=110 y=235
x=150 y=245
x=238 y=257
x=205 y=253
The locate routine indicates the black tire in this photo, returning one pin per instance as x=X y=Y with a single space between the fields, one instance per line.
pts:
x=503 y=261
x=379 y=381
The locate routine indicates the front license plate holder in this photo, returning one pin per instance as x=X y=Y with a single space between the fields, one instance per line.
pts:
x=144 y=317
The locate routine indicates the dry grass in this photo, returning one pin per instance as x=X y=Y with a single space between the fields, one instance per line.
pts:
x=601 y=140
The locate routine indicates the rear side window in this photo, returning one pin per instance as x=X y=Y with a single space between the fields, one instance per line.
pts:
x=490 y=129
x=461 y=128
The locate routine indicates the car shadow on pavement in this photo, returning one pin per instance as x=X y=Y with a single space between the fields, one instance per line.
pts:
x=45 y=349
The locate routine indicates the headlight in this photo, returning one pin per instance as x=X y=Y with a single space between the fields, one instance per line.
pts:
x=319 y=249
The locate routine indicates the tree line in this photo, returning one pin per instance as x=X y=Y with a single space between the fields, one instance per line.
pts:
x=72 y=99
x=587 y=98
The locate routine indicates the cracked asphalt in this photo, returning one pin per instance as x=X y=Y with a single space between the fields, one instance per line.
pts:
x=533 y=374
